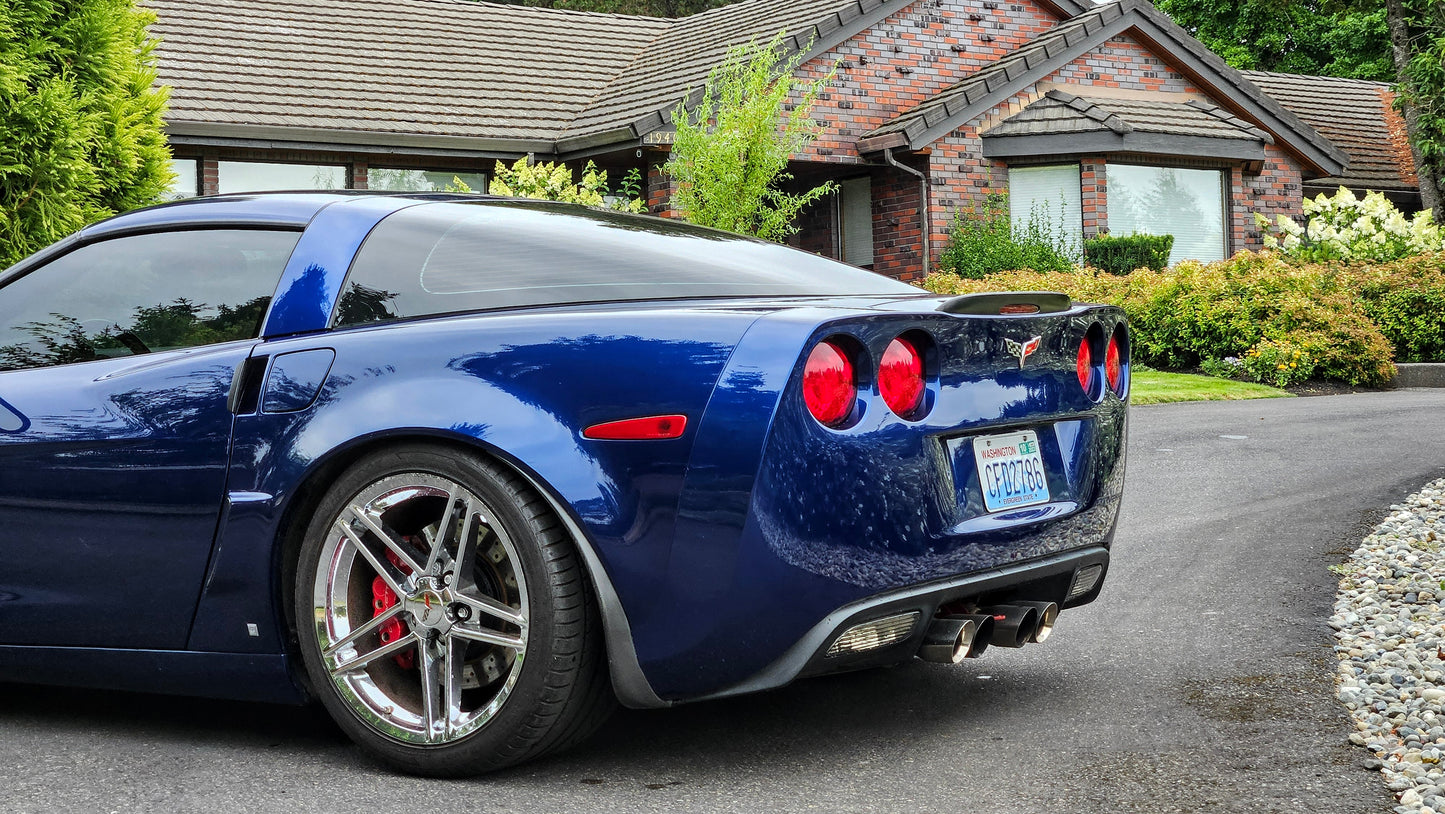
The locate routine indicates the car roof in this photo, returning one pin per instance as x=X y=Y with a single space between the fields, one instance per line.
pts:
x=257 y=209
x=253 y=210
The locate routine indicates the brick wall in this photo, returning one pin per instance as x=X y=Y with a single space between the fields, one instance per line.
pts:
x=927 y=47
x=897 y=235
x=658 y=190
x=908 y=58
x=1125 y=64
x=817 y=226
x=1275 y=190
x=962 y=176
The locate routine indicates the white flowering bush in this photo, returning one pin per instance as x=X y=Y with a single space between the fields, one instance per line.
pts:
x=1343 y=227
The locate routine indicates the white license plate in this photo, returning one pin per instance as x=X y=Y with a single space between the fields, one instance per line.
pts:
x=1010 y=470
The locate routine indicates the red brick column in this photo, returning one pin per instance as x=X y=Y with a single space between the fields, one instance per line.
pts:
x=1275 y=190
x=359 y=175
x=659 y=191
x=897 y=233
x=210 y=176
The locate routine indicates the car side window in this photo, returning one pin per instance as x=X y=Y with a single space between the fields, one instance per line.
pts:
x=141 y=294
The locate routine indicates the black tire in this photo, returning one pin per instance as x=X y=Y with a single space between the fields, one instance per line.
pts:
x=513 y=653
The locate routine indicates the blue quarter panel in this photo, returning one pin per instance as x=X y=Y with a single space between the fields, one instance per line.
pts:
x=522 y=386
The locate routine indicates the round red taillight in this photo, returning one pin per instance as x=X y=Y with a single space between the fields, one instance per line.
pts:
x=829 y=386
x=1112 y=368
x=1086 y=365
x=900 y=377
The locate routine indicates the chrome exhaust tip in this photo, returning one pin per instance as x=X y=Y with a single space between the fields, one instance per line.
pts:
x=1048 y=615
x=1013 y=625
x=980 y=639
x=951 y=639
x=948 y=640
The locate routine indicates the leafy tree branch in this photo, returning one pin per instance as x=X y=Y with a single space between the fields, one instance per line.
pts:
x=731 y=153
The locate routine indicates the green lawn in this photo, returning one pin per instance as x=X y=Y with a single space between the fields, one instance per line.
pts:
x=1158 y=387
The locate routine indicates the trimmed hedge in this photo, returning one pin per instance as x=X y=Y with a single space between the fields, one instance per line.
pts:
x=1261 y=318
x=1121 y=255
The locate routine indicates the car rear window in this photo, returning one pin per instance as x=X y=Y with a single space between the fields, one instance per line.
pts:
x=443 y=258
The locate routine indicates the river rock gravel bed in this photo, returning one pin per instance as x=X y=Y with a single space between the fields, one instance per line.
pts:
x=1390 y=629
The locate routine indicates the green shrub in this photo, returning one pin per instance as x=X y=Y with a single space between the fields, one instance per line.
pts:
x=1277 y=322
x=982 y=241
x=80 y=119
x=1277 y=362
x=1406 y=299
x=550 y=181
x=730 y=155
x=1121 y=255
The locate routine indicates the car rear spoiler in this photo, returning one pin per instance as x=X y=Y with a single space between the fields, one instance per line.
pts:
x=1008 y=302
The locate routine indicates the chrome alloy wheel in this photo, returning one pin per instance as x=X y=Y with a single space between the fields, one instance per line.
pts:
x=420 y=609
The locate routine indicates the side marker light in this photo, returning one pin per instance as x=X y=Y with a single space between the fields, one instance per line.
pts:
x=649 y=428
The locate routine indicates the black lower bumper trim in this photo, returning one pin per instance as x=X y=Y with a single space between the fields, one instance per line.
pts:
x=1046 y=579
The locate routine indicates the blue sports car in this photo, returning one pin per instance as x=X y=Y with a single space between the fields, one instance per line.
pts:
x=471 y=470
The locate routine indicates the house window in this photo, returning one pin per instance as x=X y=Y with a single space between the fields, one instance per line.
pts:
x=187 y=183
x=1048 y=201
x=396 y=179
x=855 y=219
x=1188 y=204
x=256 y=176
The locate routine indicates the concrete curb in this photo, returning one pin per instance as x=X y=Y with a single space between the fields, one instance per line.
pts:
x=1419 y=374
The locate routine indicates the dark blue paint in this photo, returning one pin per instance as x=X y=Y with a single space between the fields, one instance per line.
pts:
x=295 y=379
x=238 y=676
x=724 y=546
x=11 y=419
x=788 y=529
x=312 y=281
x=110 y=497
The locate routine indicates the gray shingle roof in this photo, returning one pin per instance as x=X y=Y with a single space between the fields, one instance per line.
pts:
x=477 y=76
x=681 y=57
x=447 y=67
x=1059 y=112
x=1352 y=113
x=459 y=69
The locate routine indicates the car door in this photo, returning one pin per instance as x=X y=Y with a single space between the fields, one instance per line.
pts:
x=115 y=363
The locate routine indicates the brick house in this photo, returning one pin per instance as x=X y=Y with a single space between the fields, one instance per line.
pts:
x=1090 y=118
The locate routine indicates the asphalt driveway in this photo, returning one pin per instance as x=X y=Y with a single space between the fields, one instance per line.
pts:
x=1201 y=681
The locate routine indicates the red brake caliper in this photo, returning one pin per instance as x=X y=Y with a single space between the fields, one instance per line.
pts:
x=382 y=597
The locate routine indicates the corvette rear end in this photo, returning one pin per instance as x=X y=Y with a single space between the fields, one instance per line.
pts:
x=933 y=476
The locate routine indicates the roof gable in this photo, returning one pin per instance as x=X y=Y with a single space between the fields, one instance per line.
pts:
x=1063 y=123
x=1063 y=112
x=1051 y=51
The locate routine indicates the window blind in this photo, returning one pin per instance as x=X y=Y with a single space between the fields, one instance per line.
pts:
x=1047 y=200
x=856 y=200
